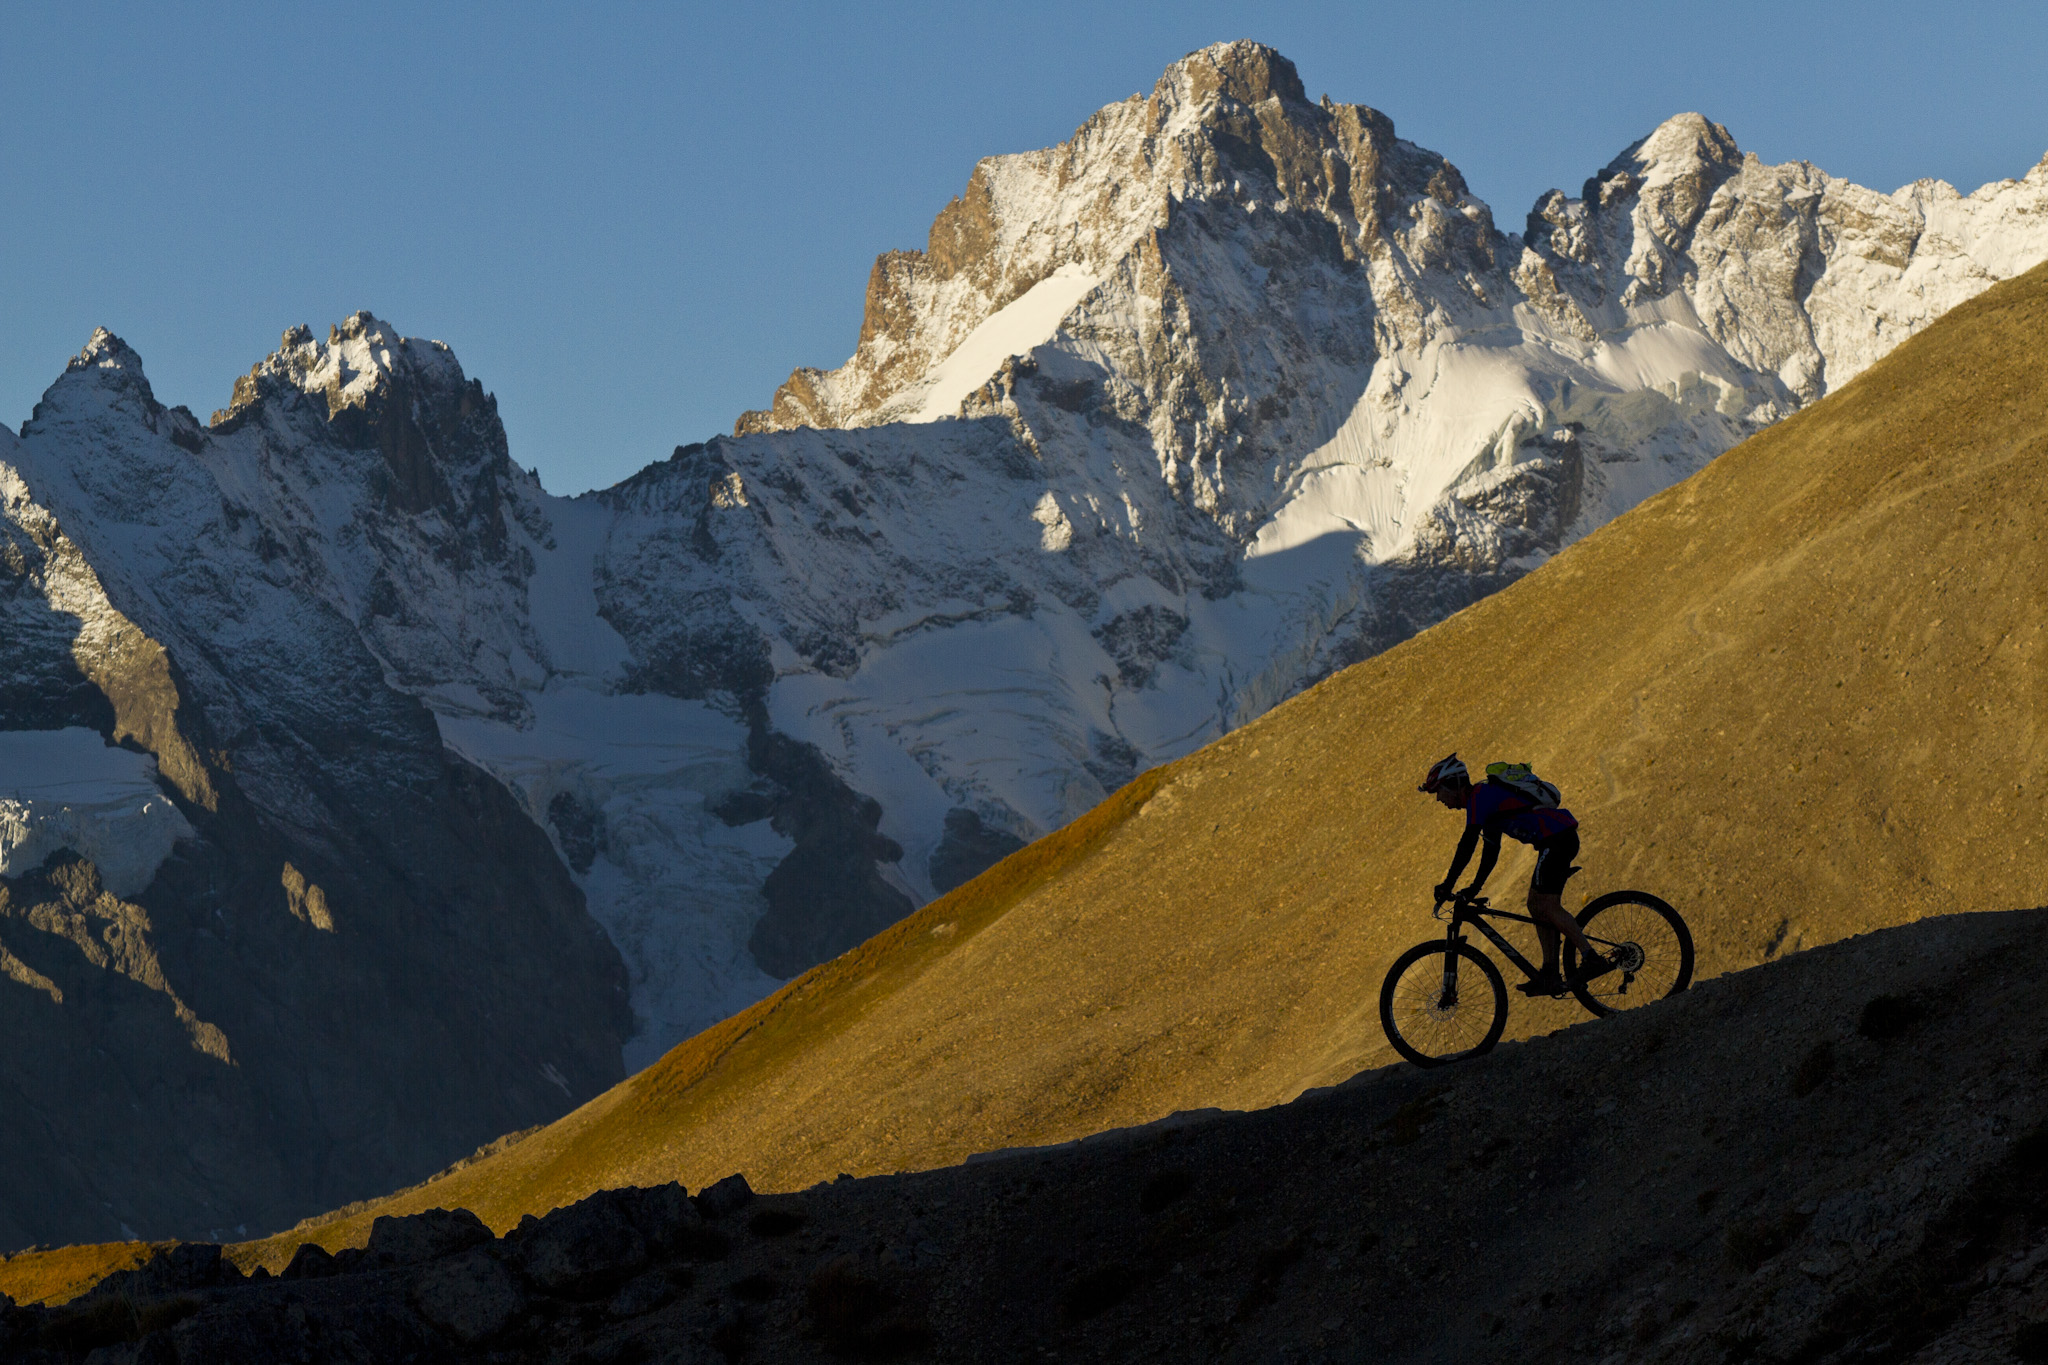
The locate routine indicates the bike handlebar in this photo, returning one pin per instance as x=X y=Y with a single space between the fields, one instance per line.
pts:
x=1464 y=898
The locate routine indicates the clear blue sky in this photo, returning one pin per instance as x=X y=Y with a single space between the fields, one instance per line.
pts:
x=631 y=221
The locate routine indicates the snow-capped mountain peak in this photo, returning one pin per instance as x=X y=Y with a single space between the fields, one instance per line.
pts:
x=1688 y=149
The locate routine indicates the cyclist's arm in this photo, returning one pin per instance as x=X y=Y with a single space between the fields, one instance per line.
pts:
x=1458 y=861
x=1487 y=858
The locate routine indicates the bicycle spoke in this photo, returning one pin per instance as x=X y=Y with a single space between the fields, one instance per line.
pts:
x=1650 y=952
x=1441 y=1003
x=1433 y=1024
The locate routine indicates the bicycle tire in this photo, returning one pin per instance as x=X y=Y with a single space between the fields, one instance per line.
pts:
x=1664 y=963
x=1421 y=1049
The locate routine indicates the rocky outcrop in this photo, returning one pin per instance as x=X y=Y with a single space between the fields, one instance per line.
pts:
x=826 y=895
x=72 y=658
x=64 y=902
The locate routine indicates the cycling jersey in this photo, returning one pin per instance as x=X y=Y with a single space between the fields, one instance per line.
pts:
x=1496 y=810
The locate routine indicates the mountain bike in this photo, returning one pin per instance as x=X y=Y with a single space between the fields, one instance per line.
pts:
x=1444 y=1001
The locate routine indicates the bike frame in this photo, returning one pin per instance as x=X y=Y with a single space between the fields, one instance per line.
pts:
x=1476 y=913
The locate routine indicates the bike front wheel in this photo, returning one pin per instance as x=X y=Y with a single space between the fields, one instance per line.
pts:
x=1443 y=1003
x=1651 y=942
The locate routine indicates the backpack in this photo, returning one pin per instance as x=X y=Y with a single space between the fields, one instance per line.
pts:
x=1521 y=779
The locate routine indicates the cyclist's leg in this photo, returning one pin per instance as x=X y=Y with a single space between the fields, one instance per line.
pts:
x=1548 y=912
x=1546 y=936
x=1546 y=897
x=1546 y=926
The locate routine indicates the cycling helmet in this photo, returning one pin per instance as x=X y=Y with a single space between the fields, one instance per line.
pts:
x=1444 y=770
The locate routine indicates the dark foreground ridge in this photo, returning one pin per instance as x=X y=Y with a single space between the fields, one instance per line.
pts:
x=1838 y=1156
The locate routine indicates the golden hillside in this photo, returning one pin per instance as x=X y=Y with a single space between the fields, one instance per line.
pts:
x=1799 y=695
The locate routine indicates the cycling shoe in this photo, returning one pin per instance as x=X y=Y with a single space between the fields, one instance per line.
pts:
x=1595 y=967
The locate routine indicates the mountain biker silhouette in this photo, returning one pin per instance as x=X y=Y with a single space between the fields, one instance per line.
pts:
x=1491 y=810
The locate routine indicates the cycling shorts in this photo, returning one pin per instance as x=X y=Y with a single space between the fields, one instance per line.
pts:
x=1554 y=863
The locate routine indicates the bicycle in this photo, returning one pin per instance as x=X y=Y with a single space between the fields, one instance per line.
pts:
x=1431 y=1023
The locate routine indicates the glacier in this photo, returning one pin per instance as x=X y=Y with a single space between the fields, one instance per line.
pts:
x=69 y=788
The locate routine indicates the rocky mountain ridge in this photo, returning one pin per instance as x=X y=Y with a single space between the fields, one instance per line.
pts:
x=313 y=950
x=1238 y=388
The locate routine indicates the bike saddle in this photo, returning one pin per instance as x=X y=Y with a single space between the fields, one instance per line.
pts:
x=1572 y=872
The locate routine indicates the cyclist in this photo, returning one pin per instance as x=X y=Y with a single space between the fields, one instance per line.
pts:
x=1491 y=810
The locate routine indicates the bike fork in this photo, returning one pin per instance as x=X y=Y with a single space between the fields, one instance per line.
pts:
x=1449 y=998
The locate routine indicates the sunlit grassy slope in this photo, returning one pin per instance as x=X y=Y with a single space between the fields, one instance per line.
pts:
x=61 y=1274
x=1800 y=695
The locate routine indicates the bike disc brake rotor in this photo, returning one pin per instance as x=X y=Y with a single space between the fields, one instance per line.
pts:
x=1629 y=957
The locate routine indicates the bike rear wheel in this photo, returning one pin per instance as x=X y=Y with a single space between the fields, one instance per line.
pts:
x=1443 y=1003
x=1652 y=942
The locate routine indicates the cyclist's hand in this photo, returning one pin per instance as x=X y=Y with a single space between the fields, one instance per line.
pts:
x=1445 y=891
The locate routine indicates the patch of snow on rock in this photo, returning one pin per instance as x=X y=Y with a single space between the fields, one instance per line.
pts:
x=1015 y=329
x=70 y=789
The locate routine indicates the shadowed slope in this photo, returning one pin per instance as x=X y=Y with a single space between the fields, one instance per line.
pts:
x=1798 y=694
x=1837 y=1157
